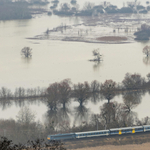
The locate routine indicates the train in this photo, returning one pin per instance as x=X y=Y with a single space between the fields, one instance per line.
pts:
x=99 y=133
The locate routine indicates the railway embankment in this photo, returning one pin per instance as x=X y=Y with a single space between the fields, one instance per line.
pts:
x=102 y=142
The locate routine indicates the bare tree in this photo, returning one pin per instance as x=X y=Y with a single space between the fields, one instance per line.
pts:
x=25 y=116
x=131 y=100
x=97 y=55
x=64 y=91
x=108 y=89
x=26 y=52
x=95 y=89
x=133 y=81
x=81 y=92
x=143 y=121
x=53 y=96
x=5 y=93
x=110 y=115
x=146 y=50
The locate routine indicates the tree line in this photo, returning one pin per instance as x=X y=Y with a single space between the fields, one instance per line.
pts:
x=19 y=9
x=90 y=9
x=64 y=90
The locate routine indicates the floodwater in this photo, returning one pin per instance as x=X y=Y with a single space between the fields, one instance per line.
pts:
x=53 y=61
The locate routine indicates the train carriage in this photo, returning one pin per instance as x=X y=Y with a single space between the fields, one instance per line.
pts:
x=98 y=133
x=61 y=136
x=137 y=129
x=92 y=134
x=146 y=128
x=126 y=130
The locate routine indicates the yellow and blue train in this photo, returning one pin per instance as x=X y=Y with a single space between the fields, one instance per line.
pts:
x=98 y=133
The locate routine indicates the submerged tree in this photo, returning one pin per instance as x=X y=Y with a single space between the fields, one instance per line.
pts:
x=108 y=89
x=97 y=56
x=146 y=50
x=111 y=115
x=26 y=52
x=53 y=96
x=64 y=91
x=133 y=81
x=81 y=114
x=81 y=92
x=131 y=100
x=95 y=89
x=25 y=116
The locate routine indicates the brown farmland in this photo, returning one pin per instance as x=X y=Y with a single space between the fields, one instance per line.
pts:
x=112 y=38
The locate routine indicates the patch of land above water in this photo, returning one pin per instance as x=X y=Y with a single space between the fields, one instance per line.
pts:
x=145 y=146
x=106 y=29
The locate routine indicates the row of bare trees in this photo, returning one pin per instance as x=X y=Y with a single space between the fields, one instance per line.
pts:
x=62 y=92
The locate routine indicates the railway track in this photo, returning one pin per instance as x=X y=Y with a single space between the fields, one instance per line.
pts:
x=136 y=138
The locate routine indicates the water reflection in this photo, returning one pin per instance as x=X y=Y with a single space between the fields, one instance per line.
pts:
x=59 y=118
x=96 y=66
x=146 y=60
x=95 y=88
x=131 y=100
x=95 y=97
x=26 y=60
x=64 y=113
x=52 y=116
x=108 y=90
x=4 y=104
x=81 y=114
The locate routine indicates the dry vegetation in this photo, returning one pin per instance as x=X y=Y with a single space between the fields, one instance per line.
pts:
x=112 y=38
x=145 y=146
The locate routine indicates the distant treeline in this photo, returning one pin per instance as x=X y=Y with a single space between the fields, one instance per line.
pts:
x=19 y=9
x=9 y=11
x=143 y=33
x=90 y=9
